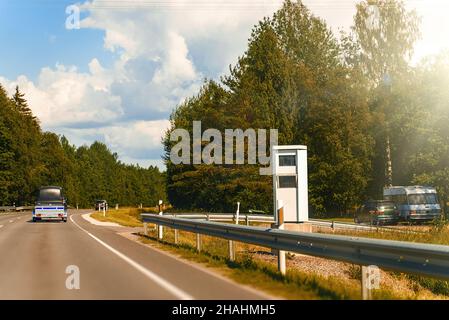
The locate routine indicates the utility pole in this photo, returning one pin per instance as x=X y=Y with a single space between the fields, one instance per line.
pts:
x=389 y=163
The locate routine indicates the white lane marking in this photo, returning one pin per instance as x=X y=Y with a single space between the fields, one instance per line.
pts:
x=151 y=275
x=11 y=221
x=1 y=226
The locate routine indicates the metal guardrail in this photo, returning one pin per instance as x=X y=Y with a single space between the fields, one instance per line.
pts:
x=415 y=258
x=224 y=217
x=25 y=208
x=7 y=208
x=16 y=209
x=245 y=217
x=359 y=227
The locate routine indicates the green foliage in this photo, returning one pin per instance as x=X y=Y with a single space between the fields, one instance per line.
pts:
x=386 y=45
x=220 y=188
x=382 y=58
x=428 y=154
x=30 y=158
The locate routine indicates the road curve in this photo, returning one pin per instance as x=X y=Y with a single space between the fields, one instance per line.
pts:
x=34 y=258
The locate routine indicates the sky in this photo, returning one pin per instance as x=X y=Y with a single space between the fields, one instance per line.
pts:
x=118 y=77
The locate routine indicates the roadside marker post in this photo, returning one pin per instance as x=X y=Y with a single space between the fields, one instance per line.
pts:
x=281 y=254
x=231 y=243
x=160 y=229
x=237 y=213
x=145 y=228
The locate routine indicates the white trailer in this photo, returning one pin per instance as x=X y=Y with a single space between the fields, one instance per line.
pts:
x=415 y=203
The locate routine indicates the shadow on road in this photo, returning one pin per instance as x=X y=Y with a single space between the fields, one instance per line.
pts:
x=45 y=221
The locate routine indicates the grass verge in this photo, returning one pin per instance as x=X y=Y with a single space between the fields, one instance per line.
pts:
x=128 y=217
x=438 y=234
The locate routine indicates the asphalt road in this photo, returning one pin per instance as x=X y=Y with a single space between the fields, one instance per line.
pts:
x=34 y=258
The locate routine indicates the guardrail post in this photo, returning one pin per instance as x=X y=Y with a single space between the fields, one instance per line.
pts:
x=145 y=228
x=198 y=242
x=247 y=220
x=281 y=254
x=176 y=236
x=366 y=289
x=370 y=280
x=176 y=233
x=231 y=250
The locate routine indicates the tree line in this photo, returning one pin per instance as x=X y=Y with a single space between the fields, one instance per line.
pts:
x=368 y=116
x=30 y=158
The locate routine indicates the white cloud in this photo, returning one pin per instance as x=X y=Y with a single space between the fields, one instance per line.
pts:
x=64 y=97
x=214 y=32
x=138 y=140
x=135 y=139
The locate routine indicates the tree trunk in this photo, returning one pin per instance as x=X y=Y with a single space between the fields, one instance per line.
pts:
x=389 y=167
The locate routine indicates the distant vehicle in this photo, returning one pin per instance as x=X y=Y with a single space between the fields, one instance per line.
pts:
x=101 y=204
x=50 y=204
x=377 y=212
x=415 y=203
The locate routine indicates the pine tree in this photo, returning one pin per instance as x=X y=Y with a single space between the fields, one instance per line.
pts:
x=6 y=154
x=22 y=105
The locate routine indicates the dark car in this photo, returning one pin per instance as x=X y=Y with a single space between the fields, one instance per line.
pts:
x=101 y=204
x=376 y=212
